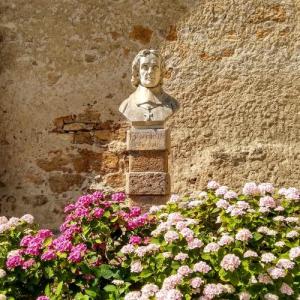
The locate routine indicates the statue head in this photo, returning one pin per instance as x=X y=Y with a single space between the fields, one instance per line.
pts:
x=147 y=69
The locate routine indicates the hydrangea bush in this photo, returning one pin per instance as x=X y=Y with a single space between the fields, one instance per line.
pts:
x=80 y=262
x=11 y=233
x=214 y=244
x=217 y=244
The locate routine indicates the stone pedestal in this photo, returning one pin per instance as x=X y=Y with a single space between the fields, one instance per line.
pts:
x=148 y=180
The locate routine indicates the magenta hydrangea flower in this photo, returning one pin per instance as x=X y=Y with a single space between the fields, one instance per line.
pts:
x=25 y=240
x=85 y=200
x=49 y=255
x=118 y=197
x=135 y=240
x=69 y=208
x=77 y=253
x=42 y=298
x=28 y=263
x=81 y=212
x=44 y=233
x=14 y=261
x=62 y=244
x=135 y=211
x=69 y=232
x=98 y=212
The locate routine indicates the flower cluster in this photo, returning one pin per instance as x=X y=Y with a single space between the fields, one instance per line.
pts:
x=221 y=244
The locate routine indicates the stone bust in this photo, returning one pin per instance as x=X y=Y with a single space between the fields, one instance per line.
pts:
x=149 y=104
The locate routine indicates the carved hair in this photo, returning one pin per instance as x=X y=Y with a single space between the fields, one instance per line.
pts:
x=135 y=78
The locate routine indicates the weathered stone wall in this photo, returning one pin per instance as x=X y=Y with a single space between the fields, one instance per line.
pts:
x=234 y=66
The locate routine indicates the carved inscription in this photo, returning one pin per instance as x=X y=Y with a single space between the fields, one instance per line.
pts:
x=147 y=139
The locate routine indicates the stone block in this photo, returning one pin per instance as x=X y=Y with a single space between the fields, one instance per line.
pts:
x=147 y=183
x=148 y=161
x=147 y=139
x=77 y=127
x=103 y=135
x=82 y=137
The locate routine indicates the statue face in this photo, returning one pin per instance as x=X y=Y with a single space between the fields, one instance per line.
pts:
x=149 y=71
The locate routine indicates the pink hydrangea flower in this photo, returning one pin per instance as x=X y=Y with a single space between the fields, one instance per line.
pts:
x=181 y=225
x=294 y=252
x=265 y=279
x=213 y=185
x=286 y=289
x=181 y=256
x=172 y=281
x=230 y=262
x=222 y=204
x=188 y=234
x=251 y=189
x=285 y=264
x=244 y=235
x=292 y=234
x=174 y=198
x=184 y=270
x=195 y=243
x=42 y=298
x=230 y=195
x=133 y=296
x=250 y=253
x=211 y=247
x=267 y=201
x=149 y=290
x=136 y=266
x=268 y=257
x=201 y=267
x=266 y=187
x=212 y=290
x=244 y=296
x=127 y=249
x=226 y=240
x=3 y=220
x=27 y=218
x=196 y=282
x=276 y=273
x=171 y=236
x=172 y=294
x=221 y=191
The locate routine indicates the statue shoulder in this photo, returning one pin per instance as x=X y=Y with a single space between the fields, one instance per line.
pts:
x=123 y=105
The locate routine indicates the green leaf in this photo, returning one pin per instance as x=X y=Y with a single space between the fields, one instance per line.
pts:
x=91 y=293
x=59 y=288
x=105 y=271
x=110 y=288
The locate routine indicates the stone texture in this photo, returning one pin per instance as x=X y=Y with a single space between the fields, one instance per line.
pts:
x=147 y=139
x=232 y=65
x=148 y=161
x=147 y=183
